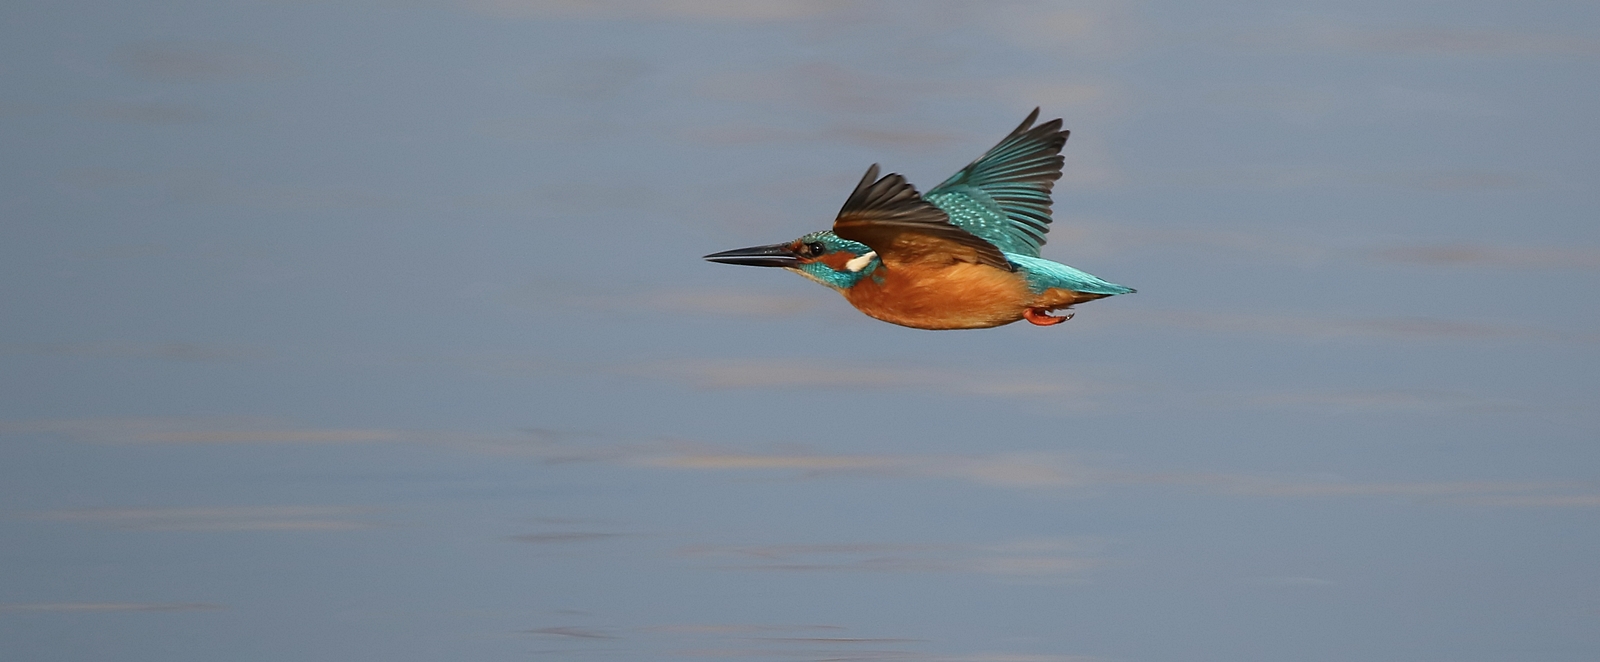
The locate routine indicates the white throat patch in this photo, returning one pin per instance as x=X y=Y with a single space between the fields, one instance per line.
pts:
x=859 y=263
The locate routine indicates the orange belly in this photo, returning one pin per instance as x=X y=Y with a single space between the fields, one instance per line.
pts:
x=953 y=296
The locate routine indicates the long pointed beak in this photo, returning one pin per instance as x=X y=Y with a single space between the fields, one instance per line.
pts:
x=776 y=255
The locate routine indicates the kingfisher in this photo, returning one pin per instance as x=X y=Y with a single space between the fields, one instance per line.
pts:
x=964 y=256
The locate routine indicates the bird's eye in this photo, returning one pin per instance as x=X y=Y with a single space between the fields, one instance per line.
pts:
x=813 y=249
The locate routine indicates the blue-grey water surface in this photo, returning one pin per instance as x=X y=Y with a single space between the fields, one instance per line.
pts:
x=377 y=330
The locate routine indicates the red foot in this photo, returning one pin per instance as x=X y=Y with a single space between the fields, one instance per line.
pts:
x=1042 y=316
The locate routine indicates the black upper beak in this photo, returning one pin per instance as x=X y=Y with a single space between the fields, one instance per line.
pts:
x=776 y=255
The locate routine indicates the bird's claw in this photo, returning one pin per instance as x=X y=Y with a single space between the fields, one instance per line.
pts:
x=1042 y=316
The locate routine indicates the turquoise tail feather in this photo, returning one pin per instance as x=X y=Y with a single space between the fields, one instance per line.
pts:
x=1043 y=274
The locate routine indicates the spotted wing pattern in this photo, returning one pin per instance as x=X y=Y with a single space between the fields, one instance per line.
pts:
x=1004 y=196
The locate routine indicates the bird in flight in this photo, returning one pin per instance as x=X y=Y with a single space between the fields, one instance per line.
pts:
x=964 y=256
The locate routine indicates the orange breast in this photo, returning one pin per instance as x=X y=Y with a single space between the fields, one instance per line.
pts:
x=956 y=295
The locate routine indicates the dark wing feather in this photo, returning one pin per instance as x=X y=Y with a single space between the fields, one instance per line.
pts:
x=1016 y=175
x=890 y=217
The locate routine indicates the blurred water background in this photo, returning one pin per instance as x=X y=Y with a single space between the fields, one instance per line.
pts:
x=370 y=329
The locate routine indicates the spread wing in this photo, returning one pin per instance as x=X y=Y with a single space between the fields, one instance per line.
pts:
x=1004 y=196
x=891 y=218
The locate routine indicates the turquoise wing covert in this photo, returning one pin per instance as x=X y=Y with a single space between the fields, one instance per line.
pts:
x=1004 y=196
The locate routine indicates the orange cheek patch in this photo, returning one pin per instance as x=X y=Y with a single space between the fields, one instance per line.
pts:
x=836 y=261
